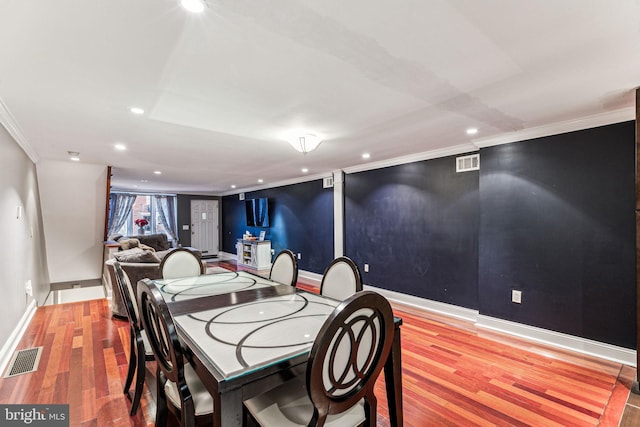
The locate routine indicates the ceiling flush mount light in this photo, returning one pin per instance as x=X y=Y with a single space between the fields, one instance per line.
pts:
x=74 y=155
x=193 y=6
x=137 y=110
x=472 y=131
x=304 y=143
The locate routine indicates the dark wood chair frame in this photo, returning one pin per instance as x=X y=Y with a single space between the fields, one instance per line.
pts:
x=350 y=263
x=169 y=355
x=178 y=250
x=290 y=254
x=327 y=402
x=137 y=354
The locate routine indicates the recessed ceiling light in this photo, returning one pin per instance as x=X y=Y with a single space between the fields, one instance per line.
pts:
x=75 y=159
x=260 y=181
x=136 y=110
x=233 y=186
x=74 y=155
x=472 y=131
x=120 y=147
x=305 y=170
x=366 y=155
x=144 y=180
x=194 y=6
x=158 y=172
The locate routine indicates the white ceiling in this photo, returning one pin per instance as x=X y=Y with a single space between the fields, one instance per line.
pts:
x=221 y=89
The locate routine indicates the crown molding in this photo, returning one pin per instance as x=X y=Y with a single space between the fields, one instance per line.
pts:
x=425 y=155
x=291 y=181
x=10 y=124
x=582 y=123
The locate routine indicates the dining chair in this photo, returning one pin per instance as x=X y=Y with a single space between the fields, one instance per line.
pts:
x=139 y=349
x=345 y=360
x=284 y=268
x=179 y=390
x=181 y=262
x=341 y=279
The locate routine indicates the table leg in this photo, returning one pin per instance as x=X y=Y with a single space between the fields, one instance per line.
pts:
x=230 y=408
x=393 y=381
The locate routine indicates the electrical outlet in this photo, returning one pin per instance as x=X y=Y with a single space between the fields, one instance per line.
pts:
x=299 y=255
x=516 y=296
x=366 y=268
x=273 y=251
x=28 y=288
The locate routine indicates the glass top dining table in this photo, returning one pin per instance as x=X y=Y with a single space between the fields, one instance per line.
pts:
x=245 y=334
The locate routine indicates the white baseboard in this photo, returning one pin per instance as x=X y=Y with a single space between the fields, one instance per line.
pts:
x=310 y=278
x=9 y=347
x=531 y=333
x=428 y=305
x=560 y=340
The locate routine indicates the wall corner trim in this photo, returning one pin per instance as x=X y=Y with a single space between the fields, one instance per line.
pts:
x=11 y=125
x=14 y=339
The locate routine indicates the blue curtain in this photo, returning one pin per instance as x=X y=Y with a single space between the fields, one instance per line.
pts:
x=166 y=206
x=119 y=209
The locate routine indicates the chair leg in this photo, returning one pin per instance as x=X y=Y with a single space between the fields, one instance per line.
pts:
x=371 y=410
x=132 y=364
x=161 y=405
x=140 y=374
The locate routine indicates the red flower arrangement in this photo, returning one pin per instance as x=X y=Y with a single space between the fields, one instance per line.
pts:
x=141 y=222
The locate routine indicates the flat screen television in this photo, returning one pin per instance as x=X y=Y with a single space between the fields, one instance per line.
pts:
x=257 y=212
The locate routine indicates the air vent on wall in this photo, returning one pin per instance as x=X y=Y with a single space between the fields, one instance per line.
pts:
x=468 y=163
x=327 y=182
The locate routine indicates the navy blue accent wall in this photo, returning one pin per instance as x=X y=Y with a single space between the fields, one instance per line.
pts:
x=557 y=223
x=416 y=225
x=301 y=219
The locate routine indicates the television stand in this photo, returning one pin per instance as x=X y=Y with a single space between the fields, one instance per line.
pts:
x=254 y=253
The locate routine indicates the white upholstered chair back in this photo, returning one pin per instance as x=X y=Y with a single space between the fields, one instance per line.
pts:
x=341 y=279
x=284 y=268
x=181 y=262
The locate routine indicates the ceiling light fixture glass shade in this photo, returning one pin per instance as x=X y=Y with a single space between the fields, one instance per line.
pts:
x=194 y=6
x=305 y=143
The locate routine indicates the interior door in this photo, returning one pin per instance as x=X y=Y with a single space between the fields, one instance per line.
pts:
x=204 y=226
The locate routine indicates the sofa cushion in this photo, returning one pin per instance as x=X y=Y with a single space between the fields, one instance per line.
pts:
x=137 y=256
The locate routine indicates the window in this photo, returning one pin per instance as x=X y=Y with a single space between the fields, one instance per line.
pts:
x=150 y=208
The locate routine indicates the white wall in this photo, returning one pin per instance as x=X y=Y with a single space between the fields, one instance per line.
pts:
x=22 y=252
x=73 y=197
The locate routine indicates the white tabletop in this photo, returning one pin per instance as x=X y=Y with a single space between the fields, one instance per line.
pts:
x=242 y=338
x=209 y=284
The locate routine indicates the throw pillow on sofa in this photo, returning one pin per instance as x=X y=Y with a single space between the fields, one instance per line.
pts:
x=133 y=255
x=128 y=243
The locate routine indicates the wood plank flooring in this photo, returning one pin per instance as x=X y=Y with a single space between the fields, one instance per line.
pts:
x=453 y=374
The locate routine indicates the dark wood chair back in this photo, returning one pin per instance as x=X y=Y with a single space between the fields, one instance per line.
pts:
x=348 y=355
x=161 y=331
x=137 y=352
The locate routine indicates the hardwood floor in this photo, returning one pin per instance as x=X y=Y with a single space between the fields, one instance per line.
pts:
x=453 y=374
